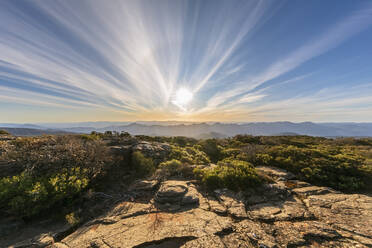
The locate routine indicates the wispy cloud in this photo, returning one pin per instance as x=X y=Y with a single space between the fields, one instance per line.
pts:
x=335 y=35
x=130 y=57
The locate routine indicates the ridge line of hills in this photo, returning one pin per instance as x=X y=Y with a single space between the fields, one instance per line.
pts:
x=196 y=130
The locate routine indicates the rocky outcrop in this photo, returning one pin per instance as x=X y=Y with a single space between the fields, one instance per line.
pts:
x=155 y=150
x=285 y=213
x=6 y=137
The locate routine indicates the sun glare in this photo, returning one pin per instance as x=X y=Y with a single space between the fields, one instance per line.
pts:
x=182 y=97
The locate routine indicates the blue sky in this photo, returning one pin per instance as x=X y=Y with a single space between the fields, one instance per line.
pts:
x=64 y=61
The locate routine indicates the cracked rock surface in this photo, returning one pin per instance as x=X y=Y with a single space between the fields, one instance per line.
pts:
x=285 y=213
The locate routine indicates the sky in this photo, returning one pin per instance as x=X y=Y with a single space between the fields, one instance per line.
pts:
x=204 y=60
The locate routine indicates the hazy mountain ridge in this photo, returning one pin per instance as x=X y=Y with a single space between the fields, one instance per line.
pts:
x=197 y=130
x=32 y=131
x=230 y=129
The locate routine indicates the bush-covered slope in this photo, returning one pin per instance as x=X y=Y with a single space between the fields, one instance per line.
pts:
x=53 y=172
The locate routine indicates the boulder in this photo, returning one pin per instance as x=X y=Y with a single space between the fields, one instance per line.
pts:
x=173 y=194
x=155 y=150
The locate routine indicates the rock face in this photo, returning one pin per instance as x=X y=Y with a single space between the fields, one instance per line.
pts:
x=285 y=213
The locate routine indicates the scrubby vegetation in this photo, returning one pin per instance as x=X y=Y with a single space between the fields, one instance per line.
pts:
x=232 y=174
x=57 y=170
x=25 y=195
x=142 y=166
x=189 y=155
x=343 y=164
x=174 y=168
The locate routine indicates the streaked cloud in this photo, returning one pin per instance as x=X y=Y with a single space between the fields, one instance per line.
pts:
x=131 y=58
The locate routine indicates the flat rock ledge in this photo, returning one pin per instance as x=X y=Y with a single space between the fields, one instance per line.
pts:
x=285 y=213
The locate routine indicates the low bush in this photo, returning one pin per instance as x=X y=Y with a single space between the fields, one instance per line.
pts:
x=233 y=174
x=337 y=167
x=72 y=219
x=212 y=148
x=189 y=155
x=56 y=170
x=142 y=166
x=173 y=168
x=92 y=136
x=25 y=195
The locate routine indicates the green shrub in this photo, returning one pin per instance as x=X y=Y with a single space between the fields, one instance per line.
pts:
x=247 y=139
x=92 y=136
x=232 y=174
x=341 y=168
x=72 y=219
x=25 y=195
x=189 y=155
x=174 y=168
x=230 y=152
x=142 y=166
x=125 y=134
x=211 y=148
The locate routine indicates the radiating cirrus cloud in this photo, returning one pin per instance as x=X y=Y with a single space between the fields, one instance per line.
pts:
x=234 y=60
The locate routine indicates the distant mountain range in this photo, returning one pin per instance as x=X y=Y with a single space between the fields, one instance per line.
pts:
x=32 y=131
x=197 y=130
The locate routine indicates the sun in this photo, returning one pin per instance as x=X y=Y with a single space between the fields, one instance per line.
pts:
x=182 y=98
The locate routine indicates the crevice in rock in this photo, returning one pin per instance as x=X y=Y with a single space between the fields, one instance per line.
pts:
x=139 y=213
x=311 y=238
x=222 y=214
x=64 y=244
x=61 y=235
x=307 y=210
x=101 y=222
x=298 y=219
x=237 y=218
x=290 y=219
x=351 y=231
x=224 y=232
x=166 y=242
x=103 y=241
